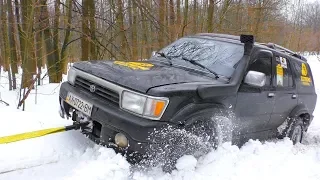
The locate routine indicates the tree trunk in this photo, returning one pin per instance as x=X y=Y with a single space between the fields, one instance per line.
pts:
x=210 y=15
x=145 y=31
x=135 y=45
x=195 y=17
x=258 y=18
x=1 y=49
x=202 y=21
x=13 y=46
x=6 y=46
x=51 y=56
x=185 y=17
x=123 y=51
x=161 y=35
x=85 y=47
x=178 y=18
x=64 y=58
x=92 y=13
x=238 y=16
x=39 y=54
x=130 y=24
x=58 y=65
x=28 y=57
x=172 y=21
x=38 y=43
x=20 y=38
x=223 y=11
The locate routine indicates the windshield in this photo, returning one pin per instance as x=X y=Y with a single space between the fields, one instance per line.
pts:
x=220 y=57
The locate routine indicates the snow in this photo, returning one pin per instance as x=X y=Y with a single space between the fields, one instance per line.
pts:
x=186 y=162
x=69 y=155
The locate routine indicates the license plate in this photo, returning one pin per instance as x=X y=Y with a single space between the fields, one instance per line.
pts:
x=79 y=104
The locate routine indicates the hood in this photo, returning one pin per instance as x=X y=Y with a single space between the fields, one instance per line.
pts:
x=142 y=75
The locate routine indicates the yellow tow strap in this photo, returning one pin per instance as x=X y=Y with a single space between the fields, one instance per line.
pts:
x=29 y=135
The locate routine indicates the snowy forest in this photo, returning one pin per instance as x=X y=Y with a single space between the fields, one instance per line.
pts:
x=51 y=33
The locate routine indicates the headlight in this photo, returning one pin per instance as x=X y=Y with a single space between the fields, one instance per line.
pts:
x=133 y=102
x=146 y=106
x=71 y=75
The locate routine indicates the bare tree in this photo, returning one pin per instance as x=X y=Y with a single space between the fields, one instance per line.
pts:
x=13 y=46
x=5 y=44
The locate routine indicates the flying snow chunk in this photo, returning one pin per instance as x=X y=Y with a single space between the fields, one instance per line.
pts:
x=186 y=162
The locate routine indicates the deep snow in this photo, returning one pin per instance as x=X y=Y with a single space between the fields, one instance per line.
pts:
x=69 y=155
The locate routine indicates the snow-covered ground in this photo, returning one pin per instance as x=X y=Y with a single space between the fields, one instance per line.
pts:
x=69 y=155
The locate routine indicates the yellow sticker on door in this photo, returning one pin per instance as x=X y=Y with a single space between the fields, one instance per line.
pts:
x=306 y=80
x=279 y=70
x=304 y=70
x=279 y=75
x=135 y=65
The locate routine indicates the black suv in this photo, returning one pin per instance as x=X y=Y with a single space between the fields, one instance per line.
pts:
x=230 y=87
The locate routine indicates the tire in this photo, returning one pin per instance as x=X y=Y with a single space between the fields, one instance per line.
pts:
x=215 y=131
x=206 y=133
x=296 y=130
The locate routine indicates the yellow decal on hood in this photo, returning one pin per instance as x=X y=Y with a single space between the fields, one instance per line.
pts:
x=135 y=65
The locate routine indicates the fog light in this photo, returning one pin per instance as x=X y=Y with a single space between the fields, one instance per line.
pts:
x=121 y=140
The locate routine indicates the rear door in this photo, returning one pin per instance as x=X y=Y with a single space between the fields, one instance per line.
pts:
x=286 y=97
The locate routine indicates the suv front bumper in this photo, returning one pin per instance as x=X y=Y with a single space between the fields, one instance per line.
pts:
x=112 y=120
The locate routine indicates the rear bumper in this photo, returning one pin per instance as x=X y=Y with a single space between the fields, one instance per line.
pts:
x=113 y=120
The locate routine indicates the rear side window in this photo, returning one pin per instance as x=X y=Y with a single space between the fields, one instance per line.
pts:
x=303 y=73
x=283 y=72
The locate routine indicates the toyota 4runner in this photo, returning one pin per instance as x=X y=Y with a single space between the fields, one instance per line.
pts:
x=260 y=90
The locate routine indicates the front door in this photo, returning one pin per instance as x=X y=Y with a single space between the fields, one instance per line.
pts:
x=255 y=105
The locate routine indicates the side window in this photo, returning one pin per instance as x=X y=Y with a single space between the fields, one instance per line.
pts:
x=303 y=73
x=263 y=65
x=283 y=72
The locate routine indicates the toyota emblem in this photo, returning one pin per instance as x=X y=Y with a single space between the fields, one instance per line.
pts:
x=92 y=88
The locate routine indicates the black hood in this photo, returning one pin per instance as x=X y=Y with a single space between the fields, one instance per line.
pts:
x=141 y=76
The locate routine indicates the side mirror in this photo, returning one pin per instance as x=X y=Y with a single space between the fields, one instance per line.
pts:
x=254 y=78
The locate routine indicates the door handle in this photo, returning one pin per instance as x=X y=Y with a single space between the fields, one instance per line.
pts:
x=270 y=95
x=294 y=96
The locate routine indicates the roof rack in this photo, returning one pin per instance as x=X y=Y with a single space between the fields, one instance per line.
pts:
x=282 y=49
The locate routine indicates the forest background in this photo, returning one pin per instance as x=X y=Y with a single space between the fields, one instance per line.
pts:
x=35 y=34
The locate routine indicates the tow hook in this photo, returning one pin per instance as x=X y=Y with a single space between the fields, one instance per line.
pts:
x=77 y=125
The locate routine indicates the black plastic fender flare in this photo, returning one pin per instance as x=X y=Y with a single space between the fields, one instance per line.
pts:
x=298 y=110
x=184 y=115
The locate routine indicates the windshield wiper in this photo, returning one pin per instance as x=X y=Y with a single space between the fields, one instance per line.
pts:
x=200 y=65
x=166 y=57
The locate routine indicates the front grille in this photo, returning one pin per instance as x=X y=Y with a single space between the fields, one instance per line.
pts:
x=100 y=91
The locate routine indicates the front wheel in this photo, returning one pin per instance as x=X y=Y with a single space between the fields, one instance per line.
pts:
x=213 y=132
x=196 y=139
